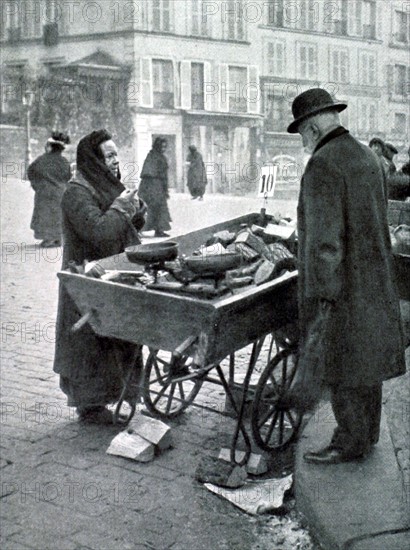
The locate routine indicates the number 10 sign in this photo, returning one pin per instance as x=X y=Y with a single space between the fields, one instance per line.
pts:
x=267 y=181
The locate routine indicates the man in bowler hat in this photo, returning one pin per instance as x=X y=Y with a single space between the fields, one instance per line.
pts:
x=346 y=273
x=389 y=152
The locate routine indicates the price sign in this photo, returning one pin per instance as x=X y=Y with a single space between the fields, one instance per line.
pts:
x=267 y=181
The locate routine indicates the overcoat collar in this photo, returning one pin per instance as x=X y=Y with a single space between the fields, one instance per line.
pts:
x=340 y=130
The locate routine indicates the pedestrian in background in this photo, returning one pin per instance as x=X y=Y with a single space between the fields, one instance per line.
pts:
x=346 y=274
x=196 y=173
x=399 y=183
x=154 y=189
x=389 y=152
x=377 y=145
x=49 y=175
x=405 y=169
x=100 y=218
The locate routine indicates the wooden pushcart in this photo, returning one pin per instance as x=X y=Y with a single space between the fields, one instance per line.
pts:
x=188 y=338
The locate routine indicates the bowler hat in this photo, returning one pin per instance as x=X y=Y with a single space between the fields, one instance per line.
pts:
x=311 y=103
x=390 y=150
x=376 y=141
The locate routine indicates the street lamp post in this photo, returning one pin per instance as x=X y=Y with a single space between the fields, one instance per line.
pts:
x=28 y=102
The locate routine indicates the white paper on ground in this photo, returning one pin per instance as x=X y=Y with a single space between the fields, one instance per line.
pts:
x=256 y=497
x=131 y=446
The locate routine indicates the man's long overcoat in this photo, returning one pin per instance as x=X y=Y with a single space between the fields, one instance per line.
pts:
x=345 y=257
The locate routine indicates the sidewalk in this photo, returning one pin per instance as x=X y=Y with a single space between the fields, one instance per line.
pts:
x=363 y=505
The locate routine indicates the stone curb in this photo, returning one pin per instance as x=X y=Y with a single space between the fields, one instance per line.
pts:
x=359 y=505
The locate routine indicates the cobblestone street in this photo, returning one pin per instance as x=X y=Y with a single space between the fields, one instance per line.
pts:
x=59 y=487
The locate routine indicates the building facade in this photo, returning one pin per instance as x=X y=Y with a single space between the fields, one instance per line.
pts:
x=220 y=74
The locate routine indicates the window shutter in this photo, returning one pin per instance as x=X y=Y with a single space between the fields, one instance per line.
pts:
x=390 y=79
x=208 y=96
x=177 y=84
x=253 y=92
x=281 y=62
x=147 y=99
x=224 y=88
x=185 y=84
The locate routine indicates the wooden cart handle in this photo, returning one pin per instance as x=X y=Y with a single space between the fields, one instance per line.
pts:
x=82 y=321
x=181 y=349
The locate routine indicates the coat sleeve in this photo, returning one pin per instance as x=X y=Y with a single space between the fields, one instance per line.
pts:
x=325 y=230
x=92 y=224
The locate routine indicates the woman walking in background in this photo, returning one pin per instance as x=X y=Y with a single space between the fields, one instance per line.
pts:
x=153 y=189
x=196 y=173
x=48 y=176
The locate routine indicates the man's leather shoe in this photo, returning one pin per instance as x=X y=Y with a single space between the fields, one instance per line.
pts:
x=328 y=455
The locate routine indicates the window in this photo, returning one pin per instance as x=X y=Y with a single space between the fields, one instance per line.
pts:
x=339 y=65
x=276 y=58
x=201 y=23
x=402 y=27
x=400 y=79
x=276 y=113
x=161 y=15
x=31 y=20
x=308 y=15
x=234 y=20
x=197 y=85
x=369 y=19
x=12 y=89
x=335 y=17
x=238 y=81
x=400 y=124
x=51 y=14
x=355 y=18
x=11 y=14
x=307 y=60
x=275 y=13
x=163 y=83
x=367 y=122
x=367 y=64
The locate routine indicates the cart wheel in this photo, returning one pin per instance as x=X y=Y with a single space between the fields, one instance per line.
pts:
x=274 y=428
x=169 y=388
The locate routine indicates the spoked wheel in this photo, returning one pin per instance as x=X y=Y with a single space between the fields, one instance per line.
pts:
x=273 y=428
x=169 y=386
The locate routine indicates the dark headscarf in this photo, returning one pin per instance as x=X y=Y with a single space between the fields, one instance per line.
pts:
x=91 y=165
x=157 y=146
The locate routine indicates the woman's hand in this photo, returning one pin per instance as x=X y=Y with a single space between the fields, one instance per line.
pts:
x=129 y=194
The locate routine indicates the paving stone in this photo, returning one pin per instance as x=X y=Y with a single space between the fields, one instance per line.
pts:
x=46 y=540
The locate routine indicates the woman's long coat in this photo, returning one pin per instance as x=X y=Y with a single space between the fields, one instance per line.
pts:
x=345 y=257
x=90 y=373
x=48 y=175
x=153 y=190
x=196 y=174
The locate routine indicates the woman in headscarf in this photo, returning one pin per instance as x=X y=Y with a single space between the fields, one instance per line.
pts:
x=154 y=189
x=196 y=173
x=48 y=176
x=100 y=218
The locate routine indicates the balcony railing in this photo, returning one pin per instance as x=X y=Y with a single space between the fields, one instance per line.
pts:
x=369 y=31
x=163 y=100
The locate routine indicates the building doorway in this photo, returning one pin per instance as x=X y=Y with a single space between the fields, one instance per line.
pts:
x=170 y=153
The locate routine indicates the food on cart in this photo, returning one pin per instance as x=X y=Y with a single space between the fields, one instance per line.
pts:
x=213 y=263
x=400 y=239
x=223 y=237
x=151 y=253
x=227 y=261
